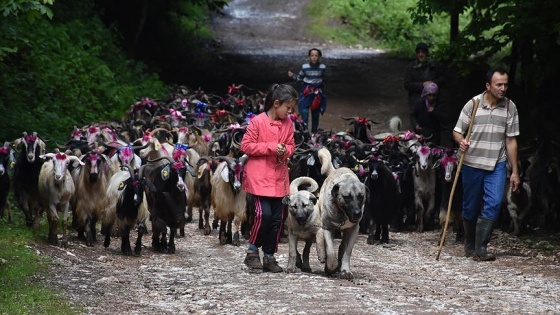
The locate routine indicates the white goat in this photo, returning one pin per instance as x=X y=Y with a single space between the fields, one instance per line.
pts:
x=55 y=190
x=90 y=181
x=424 y=184
x=228 y=198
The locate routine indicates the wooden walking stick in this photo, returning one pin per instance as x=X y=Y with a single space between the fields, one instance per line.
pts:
x=459 y=165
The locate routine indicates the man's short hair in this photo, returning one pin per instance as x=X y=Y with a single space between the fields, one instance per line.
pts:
x=491 y=72
x=422 y=46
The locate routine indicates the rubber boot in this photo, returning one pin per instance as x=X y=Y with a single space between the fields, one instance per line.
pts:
x=470 y=228
x=253 y=260
x=482 y=237
x=270 y=265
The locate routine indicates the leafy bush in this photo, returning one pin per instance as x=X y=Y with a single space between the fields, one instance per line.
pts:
x=66 y=72
x=376 y=23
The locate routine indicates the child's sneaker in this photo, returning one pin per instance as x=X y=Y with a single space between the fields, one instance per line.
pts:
x=253 y=260
x=270 y=265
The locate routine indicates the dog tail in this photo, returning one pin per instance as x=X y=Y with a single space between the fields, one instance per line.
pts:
x=308 y=184
x=326 y=161
x=395 y=124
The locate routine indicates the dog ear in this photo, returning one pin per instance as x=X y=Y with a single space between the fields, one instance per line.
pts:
x=313 y=199
x=334 y=191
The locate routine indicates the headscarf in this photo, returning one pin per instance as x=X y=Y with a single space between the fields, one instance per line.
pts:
x=430 y=88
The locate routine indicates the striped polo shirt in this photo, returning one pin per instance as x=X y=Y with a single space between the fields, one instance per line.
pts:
x=490 y=128
x=312 y=75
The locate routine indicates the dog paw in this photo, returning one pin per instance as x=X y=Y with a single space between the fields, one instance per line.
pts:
x=306 y=269
x=292 y=270
x=346 y=275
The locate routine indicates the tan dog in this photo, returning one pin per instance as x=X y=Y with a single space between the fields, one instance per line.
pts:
x=341 y=202
x=303 y=223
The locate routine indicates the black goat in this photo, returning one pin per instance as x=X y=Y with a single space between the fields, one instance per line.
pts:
x=5 y=153
x=167 y=204
x=126 y=205
x=26 y=177
x=382 y=204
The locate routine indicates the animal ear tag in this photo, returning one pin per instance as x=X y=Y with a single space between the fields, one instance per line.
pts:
x=200 y=171
x=165 y=173
x=122 y=185
x=225 y=174
x=311 y=161
x=336 y=162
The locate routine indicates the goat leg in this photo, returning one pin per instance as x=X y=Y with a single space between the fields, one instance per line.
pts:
x=141 y=230
x=171 y=245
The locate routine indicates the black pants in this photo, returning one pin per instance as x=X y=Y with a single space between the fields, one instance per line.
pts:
x=268 y=220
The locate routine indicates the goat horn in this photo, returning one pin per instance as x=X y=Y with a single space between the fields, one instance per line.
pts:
x=347 y=118
x=227 y=159
x=171 y=160
x=129 y=169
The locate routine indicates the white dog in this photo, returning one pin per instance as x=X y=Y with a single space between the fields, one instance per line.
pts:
x=341 y=202
x=303 y=223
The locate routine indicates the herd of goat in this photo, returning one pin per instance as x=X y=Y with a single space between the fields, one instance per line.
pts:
x=169 y=156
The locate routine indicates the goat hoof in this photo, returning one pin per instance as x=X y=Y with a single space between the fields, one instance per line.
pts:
x=346 y=275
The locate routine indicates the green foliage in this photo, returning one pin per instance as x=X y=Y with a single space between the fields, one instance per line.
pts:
x=550 y=243
x=30 y=10
x=23 y=10
x=65 y=73
x=376 y=23
x=19 y=265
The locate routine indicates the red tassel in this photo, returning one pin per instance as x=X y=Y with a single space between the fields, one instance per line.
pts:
x=316 y=102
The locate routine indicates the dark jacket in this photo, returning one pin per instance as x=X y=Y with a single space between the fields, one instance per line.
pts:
x=415 y=75
x=432 y=123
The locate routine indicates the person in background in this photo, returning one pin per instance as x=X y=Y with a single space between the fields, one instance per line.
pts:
x=269 y=142
x=428 y=116
x=312 y=97
x=421 y=72
x=492 y=142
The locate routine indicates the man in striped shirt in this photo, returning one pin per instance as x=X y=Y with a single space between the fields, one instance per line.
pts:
x=491 y=143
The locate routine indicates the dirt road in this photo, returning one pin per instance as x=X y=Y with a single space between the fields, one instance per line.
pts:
x=267 y=37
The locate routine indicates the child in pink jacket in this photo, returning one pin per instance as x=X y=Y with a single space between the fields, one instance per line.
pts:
x=269 y=142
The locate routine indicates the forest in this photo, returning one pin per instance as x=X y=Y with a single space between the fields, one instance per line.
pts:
x=71 y=63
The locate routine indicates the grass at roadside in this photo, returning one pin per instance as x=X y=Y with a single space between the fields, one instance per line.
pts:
x=375 y=23
x=19 y=266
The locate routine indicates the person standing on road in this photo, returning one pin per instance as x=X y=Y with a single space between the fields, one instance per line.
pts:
x=269 y=142
x=492 y=142
x=421 y=72
x=428 y=117
x=312 y=97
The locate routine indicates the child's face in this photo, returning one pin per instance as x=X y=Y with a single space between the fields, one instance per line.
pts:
x=314 y=56
x=283 y=109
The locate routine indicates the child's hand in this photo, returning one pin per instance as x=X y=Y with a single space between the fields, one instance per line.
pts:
x=280 y=149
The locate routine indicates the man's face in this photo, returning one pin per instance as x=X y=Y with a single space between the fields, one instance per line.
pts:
x=421 y=55
x=498 y=86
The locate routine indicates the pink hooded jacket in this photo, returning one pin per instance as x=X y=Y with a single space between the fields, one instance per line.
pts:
x=264 y=173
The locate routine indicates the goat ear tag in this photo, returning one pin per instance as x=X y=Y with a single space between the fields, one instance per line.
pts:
x=311 y=161
x=165 y=173
x=200 y=171
x=225 y=174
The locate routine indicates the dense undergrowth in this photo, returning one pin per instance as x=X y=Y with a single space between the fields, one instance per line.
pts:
x=376 y=23
x=68 y=71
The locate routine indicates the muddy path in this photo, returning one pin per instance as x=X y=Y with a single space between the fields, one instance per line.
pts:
x=258 y=45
